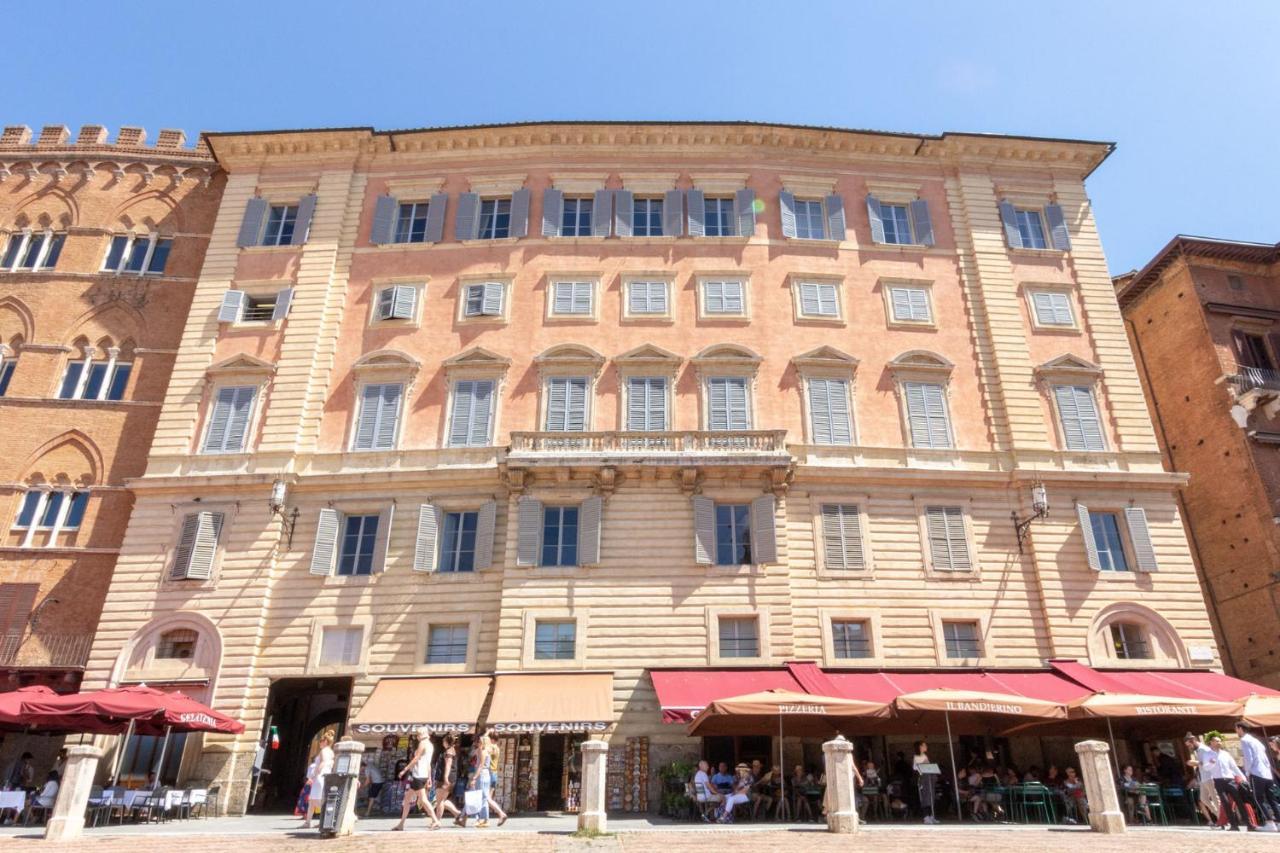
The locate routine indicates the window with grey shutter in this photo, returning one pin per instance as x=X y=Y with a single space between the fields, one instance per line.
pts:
x=673 y=213
x=1144 y=552
x=948 y=544
x=623 y=213
x=197 y=546
x=1009 y=218
x=572 y=298
x=876 y=217
x=744 y=210
x=232 y=307
x=829 y=411
x=528 y=531
x=397 y=302
x=1086 y=531
x=484 y=300
x=647 y=403
x=704 y=530
x=302 y=225
x=927 y=415
x=590 y=518
x=467 y=224
x=1052 y=308
x=385 y=210
x=764 y=531
x=921 y=223
x=378 y=422
x=255 y=212
x=485 y=522
x=470 y=422
x=425 y=543
x=727 y=407
x=910 y=304
x=647 y=298
x=696 y=202
x=1078 y=415
x=787 y=210
x=723 y=297
x=435 y=218
x=819 y=299
x=325 y=549
x=229 y=419
x=833 y=205
x=519 y=213
x=567 y=403
x=842 y=546
x=280 y=310
x=601 y=213
x=552 y=211
x=1059 y=235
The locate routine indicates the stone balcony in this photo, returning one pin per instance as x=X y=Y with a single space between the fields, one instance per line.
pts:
x=624 y=448
x=45 y=651
x=1253 y=388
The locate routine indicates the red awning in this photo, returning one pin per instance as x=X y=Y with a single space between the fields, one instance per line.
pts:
x=1178 y=684
x=683 y=693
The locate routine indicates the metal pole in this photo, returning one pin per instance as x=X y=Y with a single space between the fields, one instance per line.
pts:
x=164 y=747
x=782 y=776
x=955 y=783
x=122 y=747
x=1115 y=757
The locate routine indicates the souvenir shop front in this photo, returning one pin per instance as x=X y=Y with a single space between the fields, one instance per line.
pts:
x=538 y=721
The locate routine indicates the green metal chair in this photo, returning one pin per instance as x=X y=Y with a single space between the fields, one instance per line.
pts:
x=1034 y=798
x=1155 y=803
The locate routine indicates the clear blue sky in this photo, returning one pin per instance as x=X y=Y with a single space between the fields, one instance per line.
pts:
x=1189 y=90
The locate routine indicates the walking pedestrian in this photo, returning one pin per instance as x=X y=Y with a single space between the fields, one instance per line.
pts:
x=490 y=760
x=1258 y=769
x=320 y=766
x=418 y=771
x=446 y=778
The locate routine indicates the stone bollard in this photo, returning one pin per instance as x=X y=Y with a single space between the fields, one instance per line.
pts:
x=347 y=760
x=1100 y=787
x=592 y=816
x=67 y=821
x=842 y=809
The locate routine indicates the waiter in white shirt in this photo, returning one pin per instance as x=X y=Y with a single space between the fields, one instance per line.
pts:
x=1227 y=777
x=1258 y=768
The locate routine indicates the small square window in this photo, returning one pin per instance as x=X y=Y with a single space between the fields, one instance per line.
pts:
x=719 y=220
x=1109 y=541
x=647 y=298
x=559 y=536
x=447 y=644
x=576 y=219
x=484 y=299
x=340 y=646
x=910 y=304
x=961 y=640
x=819 y=300
x=572 y=298
x=359 y=535
x=739 y=637
x=179 y=644
x=850 y=639
x=555 y=640
x=259 y=309
x=724 y=298
x=281 y=220
x=647 y=217
x=810 y=224
x=733 y=534
x=1129 y=641
x=495 y=218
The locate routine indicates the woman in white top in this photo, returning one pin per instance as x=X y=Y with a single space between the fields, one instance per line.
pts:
x=419 y=773
x=925 y=782
x=49 y=793
x=321 y=765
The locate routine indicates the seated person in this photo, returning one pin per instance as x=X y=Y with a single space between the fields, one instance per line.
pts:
x=741 y=793
x=703 y=790
x=977 y=798
x=799 y=783
x=1134 y=799
x=1073 y=790
x=761 y=785
x=1052 y=777
x=48 y=794
x=723 y=779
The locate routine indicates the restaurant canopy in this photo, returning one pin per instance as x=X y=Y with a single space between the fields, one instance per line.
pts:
x=443 y=703
x=142 y=709
x=972 y=708
x=683 y=693
x=803 y=713
x=552 y=703
x=1262 y=710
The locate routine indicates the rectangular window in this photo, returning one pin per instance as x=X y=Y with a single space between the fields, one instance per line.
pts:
x=1052 y=308
x=559 y=536
x=258 y=309
x=842 y=537
x=733 y=534
x=281 y=220
x=1129 y=641
x=555 y=640
x=447 y=644
x=470 y=423
x=229 y=420
x=484 y=300
x=647 y=298
x=850 y=639
x=7 y=366
x=647 y=217
x=197 y=549
x=359 y=534
x=103 y=380
x=1252 y=351
x=948 y=543
x=739 y=637
x=144 y=255
x=576 y=219
x=829 y=418
x=810 y=220
x=727 y=407
x=411 y=222
x=1078 y=415
x=720 y=221
x=927 y=416
x=32 y=251
x=961 y=639
x=397 y=302
x=458 y=548
x=340 y=646
x=897 y=224
x=495 y=218
x=378 y=424
x=572 y=298
x=910 y=304
x=723 y=298
x=52 y=510
x=819 y=299
x=567 y=403
x=1030 y=228
x=647 y=403
x=1110 y=543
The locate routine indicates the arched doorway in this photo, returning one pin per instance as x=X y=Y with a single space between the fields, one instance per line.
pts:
x=300 y=709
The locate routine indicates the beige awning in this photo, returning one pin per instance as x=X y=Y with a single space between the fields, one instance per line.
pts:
x=441 y=703
x=555 y=703
x=1262 y=710
x=1141 y=705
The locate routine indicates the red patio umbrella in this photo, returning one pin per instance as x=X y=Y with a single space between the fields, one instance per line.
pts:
x=110 y=711
x=12 y=703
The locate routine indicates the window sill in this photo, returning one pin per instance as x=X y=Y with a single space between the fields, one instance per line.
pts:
x=1036 y=253
x=901 y=247
x=965 y=662
x=664 y=319
x=347 y=580
x=255 y=325
x=807 y=241
x=125 y=274
x=558 y=571
x=572 y=319
x=491 y=241
x=744 y=569
x=383 y=247
x=482 y=321
x=913 y=325
x=805 y=320
x=82 y=404
x=724 y=318
x=1055 y=330
x=271 y=250
x=846 y=574
x=453 y=668
x=475 y=576
x=57 y=549
x=953 y=576
x=1114 y=576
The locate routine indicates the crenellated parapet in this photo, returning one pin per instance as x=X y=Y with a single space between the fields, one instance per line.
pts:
x=54 y=155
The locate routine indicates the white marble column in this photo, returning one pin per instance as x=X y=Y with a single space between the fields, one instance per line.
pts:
x=67 y=821
x=592 y=816
x=1100 y=787
x=842 y=809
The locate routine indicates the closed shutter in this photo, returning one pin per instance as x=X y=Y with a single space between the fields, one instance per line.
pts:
x=787 y=210
x=283 y=300
x=927 y=415
x=232 y=308
x=229 y=421
x=697 y=212
x=1009 y=217
x=809 y=300
x=528 y=531
x=205 y=545
x=519 y=213
x=216 y=436
x=732 y=295
x=16 y=603
x=1078 y=414
x=485 y=519
x=1090 y=543
x=921 y=223
x=472 y=404
x=382 y=539
x=646 y=403
x=744 y=210
x=601 y=213
x=673 y=213
x=834 y=208
x=829 y=411
x=552 y=211
x=467 y=225
x=910 y=304
x=435 y=218
x=326 y=546
x=876 y=217
x=589 y=523
x=1059 y=234
x=404 y=299
x=1052 y=309
x=255 y=211
x=842 y=546
x=385 y=211
x=425 y=544
x=704 y=530
x=566 y=403
x=764 y=533
x=623 y=213
x=379 y=417
x=727 y=404
x=1140 y=535
x=647 y=297
x=186 y=544
x=948 y=544
x=302 y=224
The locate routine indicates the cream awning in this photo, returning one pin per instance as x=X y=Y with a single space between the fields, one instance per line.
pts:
x=554 y=703
x=442 y=703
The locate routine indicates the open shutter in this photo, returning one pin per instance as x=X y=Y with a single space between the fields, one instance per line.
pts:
x=520 y=213
x=589 y=519
x=552 y=211
x=302 y=225
x=386 y=303
x=623 y=213
x=404 y=299
x=426 y=545
x=382 y=540
x=834 y=207
x=1140 y=536
x=1090 y=544
x=238 y=421
x=744 y=210
x=435 y=218
x=205 y=545
x=697 y=212
x=601 y=213
x=491 y=304
x=484 y=534
x=467 y=225
x=385 y=210
x=921 y=224
x=787 y=209
x=232 y=308
x=528 y=531
x=673 y=213
x=1058 y=232
x=1009 y=217
x=186 y=544
x=326 y=545
x=704 y=530
x=764 y=533
x=255 y=211
x=876 y=217
x=283 y=300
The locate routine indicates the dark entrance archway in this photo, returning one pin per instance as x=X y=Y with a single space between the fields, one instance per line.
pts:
x=299 y=708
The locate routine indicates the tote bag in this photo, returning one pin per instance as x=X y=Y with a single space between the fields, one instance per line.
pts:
x=473 y=800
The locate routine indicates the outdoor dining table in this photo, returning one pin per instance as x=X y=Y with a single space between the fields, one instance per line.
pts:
x=16 y=800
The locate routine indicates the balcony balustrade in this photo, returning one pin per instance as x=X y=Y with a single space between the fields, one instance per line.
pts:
x=45 y=651
x=677 y=447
